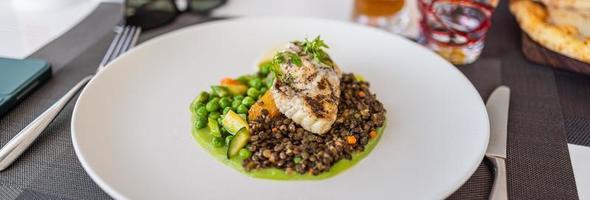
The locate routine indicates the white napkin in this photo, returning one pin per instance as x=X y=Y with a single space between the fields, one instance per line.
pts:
x=27 y=25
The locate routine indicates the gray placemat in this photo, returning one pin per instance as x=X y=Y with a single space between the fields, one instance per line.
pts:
x=50 y=169
x=538 y=162
x=574 y=95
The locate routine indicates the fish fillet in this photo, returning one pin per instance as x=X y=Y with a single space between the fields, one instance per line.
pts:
x=310 y=97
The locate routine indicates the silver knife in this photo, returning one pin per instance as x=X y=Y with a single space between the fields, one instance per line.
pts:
x=497 y=107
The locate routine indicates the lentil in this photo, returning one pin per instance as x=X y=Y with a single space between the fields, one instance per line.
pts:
x=281 y=143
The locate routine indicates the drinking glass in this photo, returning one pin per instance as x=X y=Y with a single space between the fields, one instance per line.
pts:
x=390 y=15
x=455 y=29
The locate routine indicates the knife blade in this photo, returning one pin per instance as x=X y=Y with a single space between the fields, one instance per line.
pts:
x=498 y=107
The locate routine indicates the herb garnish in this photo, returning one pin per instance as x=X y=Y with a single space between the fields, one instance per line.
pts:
x=281 y=58
x=314 y=48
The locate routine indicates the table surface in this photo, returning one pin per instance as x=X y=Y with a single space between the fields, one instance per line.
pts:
x=549 y=109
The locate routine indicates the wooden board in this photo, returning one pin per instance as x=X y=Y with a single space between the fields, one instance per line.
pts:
x=539 y=54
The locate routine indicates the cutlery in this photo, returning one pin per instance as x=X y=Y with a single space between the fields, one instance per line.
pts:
x=125 y=39
x=497 y=107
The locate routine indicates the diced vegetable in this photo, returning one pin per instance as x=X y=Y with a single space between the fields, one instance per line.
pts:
x=226 y=109
x=236 y=89
x=238 y=142
x=229 y=81
x=232 y=122
x=350 y=139
x=269 y=80
x=228 y=139
x=373 y=134
x=267 y=102
x=220 y=90
x=214 y=128
x=214 y=115
x=244 y=116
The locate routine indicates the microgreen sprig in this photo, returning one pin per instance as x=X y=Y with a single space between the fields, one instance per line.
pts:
x=316 y=48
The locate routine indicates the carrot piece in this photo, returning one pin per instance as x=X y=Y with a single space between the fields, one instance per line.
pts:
x=361 y=94
x=373 y=134
x=229 y=81
x=351 y=139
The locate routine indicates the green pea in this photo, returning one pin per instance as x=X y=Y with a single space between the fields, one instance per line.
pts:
x=214 y=115
x=264 y=70
x=217 y=142
x=236 y=103
x=238 y=97
x=244 y=153
x=225 y=102
x=202 y=111
x=248 y=101
x=252 y=92
x=242 y=109
x=263 y=89
x=228 y=139
x=220 y=90
x=244 y=79
x=226 y=110
x=203 y=97
x=195 y=105
x=212 y=105
x=200 y=122
x=255 y=83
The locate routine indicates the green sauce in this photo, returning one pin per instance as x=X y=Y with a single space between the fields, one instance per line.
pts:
x=204 y=139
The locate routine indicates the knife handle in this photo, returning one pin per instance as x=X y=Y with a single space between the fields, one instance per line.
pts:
x=500 y=188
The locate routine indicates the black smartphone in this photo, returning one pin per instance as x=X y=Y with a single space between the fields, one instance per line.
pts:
x=18 y=78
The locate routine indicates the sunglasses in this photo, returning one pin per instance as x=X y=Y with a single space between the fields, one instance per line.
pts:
x=150 y=14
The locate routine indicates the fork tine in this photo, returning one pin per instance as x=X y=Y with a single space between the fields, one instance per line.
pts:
x=130 y=40
x=135 y=37
x=111 y=49
x=124 y=36
x=125 y=39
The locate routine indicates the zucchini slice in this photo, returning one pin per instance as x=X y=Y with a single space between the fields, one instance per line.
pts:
x=238 y=142
x=232 y=122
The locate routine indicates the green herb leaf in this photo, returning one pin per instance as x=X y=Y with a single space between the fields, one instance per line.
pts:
x=316 y=48
x=294 y=58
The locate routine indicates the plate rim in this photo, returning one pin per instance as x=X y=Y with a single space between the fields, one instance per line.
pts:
x=111 y=191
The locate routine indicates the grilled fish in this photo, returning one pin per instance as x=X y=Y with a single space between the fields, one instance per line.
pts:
x=309 y=91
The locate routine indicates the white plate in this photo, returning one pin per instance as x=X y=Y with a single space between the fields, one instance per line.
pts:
x=131 y=127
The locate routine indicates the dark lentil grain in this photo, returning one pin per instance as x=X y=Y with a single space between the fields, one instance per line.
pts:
x=277 y=142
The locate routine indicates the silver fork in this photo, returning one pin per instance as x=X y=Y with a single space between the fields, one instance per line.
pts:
x=125 y=39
